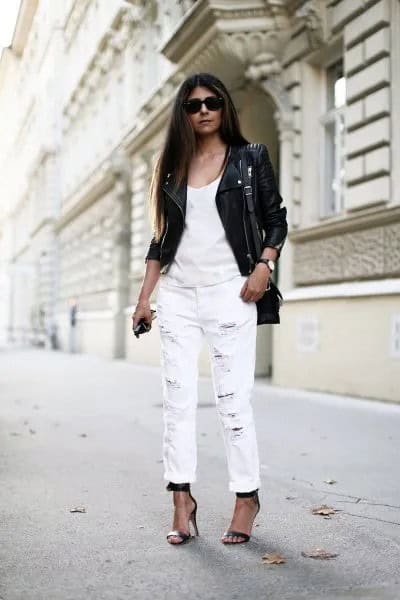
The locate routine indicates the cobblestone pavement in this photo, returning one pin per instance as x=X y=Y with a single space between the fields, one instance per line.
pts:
x=81 y=431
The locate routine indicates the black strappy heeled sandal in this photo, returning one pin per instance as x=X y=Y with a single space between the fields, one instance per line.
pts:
x=231 y=533
x=184 y=537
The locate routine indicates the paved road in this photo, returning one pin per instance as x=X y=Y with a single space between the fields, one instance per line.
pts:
x=82 y=431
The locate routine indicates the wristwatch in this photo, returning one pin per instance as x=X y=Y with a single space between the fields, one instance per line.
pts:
x=270 y=263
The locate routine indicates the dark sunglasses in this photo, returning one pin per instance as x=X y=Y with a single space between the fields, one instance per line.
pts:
x=194 y=105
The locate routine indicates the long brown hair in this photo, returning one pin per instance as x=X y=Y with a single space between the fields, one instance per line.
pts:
x=180 y=142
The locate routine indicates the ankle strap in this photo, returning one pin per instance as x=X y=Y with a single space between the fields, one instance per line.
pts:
x=246 y=494
x=178 y=487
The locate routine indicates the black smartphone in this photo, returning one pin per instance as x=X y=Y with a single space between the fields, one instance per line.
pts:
x=142 y=326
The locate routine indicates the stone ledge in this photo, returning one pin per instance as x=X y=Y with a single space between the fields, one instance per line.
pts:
x=353 y=289
x=346 y=223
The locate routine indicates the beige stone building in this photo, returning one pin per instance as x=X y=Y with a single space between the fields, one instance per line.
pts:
x=85 y=93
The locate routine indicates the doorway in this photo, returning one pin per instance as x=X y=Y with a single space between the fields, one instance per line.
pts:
x=256 y=112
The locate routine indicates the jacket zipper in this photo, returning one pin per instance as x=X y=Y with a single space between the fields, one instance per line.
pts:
x=183 y=223
x=173 y=199
x=163 y=238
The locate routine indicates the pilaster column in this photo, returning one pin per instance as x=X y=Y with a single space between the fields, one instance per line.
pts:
x=286 y=136
x=120 y=251
x=266 y=72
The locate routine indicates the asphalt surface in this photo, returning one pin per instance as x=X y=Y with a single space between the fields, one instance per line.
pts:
x=80 y=431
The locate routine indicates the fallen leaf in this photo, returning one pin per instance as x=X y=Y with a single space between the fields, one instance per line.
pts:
x=320 y=554
x=273 y=559
x=330 y=481
x=324 y=510
x=78 y=509
x=83 y=435
x=32 y=431
x=290 y=497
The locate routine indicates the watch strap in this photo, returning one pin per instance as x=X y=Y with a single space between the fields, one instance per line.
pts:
x=265 y=261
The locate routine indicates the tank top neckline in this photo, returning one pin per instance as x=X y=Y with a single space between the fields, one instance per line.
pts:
x=204 y=186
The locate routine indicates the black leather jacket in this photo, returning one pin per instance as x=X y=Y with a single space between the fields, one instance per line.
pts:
x=232 y=211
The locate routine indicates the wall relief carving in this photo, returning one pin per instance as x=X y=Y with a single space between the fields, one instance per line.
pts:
x=311 y=17
x=365 y=254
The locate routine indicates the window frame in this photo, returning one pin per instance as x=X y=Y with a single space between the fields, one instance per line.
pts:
x=331 y=202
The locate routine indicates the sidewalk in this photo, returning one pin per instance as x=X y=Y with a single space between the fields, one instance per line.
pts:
x=78 y=431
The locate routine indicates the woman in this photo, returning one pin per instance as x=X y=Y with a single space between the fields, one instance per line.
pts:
x=208 y=285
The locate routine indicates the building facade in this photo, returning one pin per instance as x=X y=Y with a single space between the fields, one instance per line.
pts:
x=85 y=93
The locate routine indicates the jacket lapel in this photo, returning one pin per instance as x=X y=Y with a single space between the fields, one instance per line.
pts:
x=231 y=177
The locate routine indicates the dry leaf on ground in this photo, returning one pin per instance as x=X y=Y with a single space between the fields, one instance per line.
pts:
x=330 y=481
x=273 y=559
x=324 y=510
x=78 y=509
x=319 y=553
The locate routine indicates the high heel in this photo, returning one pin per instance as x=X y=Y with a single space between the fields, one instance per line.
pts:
x=231 y=533
x=184 y=537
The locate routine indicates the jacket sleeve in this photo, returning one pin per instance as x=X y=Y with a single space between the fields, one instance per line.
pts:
x=153 y=251
x=269 y=200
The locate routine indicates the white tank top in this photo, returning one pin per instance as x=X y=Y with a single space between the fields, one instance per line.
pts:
x=204 y=256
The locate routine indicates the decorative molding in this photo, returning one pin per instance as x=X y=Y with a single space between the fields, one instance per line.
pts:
x=74 y=20
x=211 y=18
x=39 y=226
x=347 y=223
x=311 y=18
x=112 y=44
x=153 y=114
x=266 y=70
x=264 y=66
x=23 y=25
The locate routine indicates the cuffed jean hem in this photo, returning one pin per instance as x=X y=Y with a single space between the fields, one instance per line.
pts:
x=179 y=479
x=244 y=486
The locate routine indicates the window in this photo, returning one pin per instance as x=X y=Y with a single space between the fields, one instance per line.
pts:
x=333 y=150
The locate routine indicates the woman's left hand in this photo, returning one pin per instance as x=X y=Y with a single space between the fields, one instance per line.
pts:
x=254 y=287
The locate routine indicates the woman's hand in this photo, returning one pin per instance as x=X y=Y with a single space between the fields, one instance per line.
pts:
x=254 y=287
x=142 y=311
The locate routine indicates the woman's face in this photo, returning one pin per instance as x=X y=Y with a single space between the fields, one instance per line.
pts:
x=204 y=122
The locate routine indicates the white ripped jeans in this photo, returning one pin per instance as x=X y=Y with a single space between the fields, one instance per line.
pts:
x=185 y=315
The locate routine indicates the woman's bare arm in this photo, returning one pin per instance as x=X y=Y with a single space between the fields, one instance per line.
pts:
x=150 y=280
